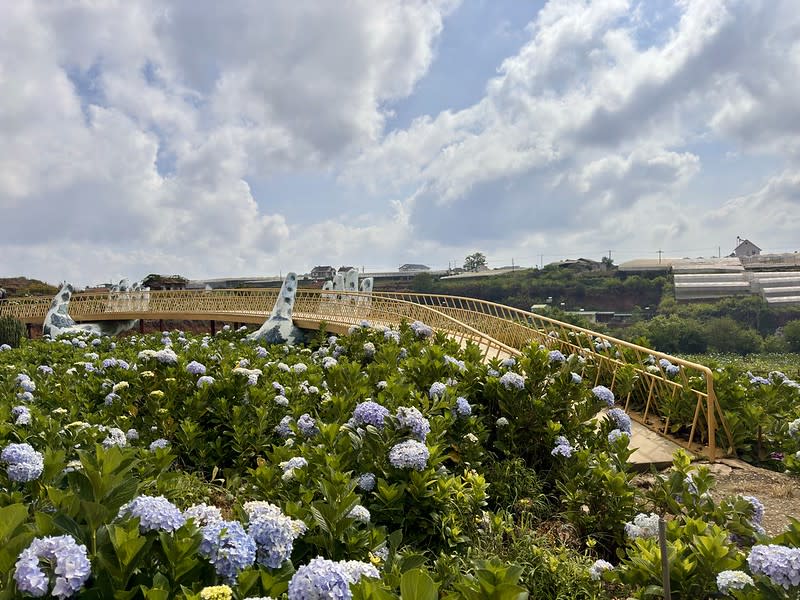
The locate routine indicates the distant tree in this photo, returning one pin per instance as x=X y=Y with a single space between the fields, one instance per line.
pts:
x=791 y=333
x=608 y=262
x=475 y=261
x=422 y=282
x=725 y=334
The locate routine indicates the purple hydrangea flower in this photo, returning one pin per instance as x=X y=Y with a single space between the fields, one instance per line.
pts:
x=45 y=369
x=155 y=513
x=370 y=413
x=64 y=559
x=411 y=418
x=576 y=378
x=307 y=425
x=459 y=364
x=556 y=356
x=410 y=454
x=604 y=394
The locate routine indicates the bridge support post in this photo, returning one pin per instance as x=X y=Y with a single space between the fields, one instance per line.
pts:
x=213 y=327
x=141 y=326
x=29 y=329
x=161 y=324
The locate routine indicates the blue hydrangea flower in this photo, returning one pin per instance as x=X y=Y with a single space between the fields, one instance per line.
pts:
x=320 y=579
x=508 y=362
x=556 y=356
x=511 y=380
x=205 y=380
x=421 y=330
x=155 y=513
x=596 y=570
x=307 y=425
x=115 y=437
x=196 y=368
x=366 y=481
x=794 y=428
x=643 y=526
x=410 y=418
x=369 y=349
x=615 y=434
x=23 y=462
x=780 y=563
x=359 y=513
x=604 y=394
x=228 y=547
x=354 y=570
x=281 y=400
x=562 y=447
x=21 y=415
x=576 y=378
x=458 y=364
x=65 y=559
x=4 y=347
x=733 y=580
x=296 y=462
x=463 y=408
x=45 y=369
x=283 y=428
x=203 y=514
x=370 y=413
x=391 y=336
x=273 y=532
x=437 y=390
x=758 y=509
x=131 y=435
x=622 y=420
x=410 y=454
x=159 y=443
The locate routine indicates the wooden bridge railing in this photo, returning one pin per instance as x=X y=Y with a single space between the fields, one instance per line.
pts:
x=633 y=372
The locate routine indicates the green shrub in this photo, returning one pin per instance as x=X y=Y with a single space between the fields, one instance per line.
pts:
x=726 y=335
x=791 y=333
x=11 y=331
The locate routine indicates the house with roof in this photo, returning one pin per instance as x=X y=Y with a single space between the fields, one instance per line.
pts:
x=322 y=273
x=411 y=268
x=745 y=248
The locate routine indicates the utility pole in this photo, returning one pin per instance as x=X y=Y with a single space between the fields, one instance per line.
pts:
x=659 y=256
x=512 y=264
x=541 y=261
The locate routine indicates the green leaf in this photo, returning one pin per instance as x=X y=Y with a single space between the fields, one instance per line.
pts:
x=11 y=517
x=418 y=585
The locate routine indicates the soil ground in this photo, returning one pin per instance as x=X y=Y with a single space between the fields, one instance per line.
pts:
x=779 y=492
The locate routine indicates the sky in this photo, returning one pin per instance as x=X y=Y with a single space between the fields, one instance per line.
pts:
x=251 y=138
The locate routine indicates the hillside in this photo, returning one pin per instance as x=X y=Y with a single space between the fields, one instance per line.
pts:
x=22 y=286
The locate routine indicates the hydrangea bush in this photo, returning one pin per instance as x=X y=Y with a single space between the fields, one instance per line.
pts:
x=184 y=466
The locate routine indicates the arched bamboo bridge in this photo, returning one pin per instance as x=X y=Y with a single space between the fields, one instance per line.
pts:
x=632 y=372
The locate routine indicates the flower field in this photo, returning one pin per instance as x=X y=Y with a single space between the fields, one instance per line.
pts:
x=382 y=464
